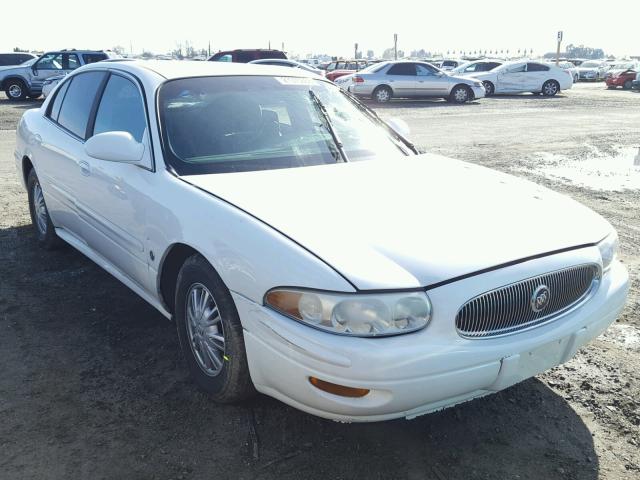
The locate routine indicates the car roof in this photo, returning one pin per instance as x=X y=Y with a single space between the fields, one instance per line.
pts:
x=171 y=69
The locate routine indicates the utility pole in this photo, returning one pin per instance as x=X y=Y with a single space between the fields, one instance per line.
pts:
x=209 y=47
x=355 y=55
x=558 y=51
x=269 y=44
x=395 y=46
x=282 y=47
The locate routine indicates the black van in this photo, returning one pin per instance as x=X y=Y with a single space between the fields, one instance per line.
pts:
x=8 y=59
x=246 y=56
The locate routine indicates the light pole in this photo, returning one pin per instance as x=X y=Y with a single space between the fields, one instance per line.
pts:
x=558 y=51
x=395 y=46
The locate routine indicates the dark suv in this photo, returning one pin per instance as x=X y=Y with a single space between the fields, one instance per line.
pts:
x=15 y=58
x=246 y=56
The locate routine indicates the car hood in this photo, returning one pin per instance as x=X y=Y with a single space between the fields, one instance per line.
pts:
x=589 y=69
x=12 y=69
x=409 y=222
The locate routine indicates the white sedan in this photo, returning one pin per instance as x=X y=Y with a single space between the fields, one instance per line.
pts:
x=303 y=248
x=520 y=77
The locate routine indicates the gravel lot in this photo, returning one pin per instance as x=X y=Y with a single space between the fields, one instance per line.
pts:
x=92 y=384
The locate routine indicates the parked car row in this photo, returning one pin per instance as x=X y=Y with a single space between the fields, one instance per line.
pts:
x=405 y=79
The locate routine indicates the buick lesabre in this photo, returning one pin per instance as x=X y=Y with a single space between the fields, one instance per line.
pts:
x=303 y=247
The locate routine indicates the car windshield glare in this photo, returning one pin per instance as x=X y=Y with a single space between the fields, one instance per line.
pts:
x=591 y=65
x=245 y=123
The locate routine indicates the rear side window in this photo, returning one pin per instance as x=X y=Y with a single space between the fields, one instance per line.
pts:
x=93 y=57
x=402 y=69
x=121 y=109
x=244 y=57
x=78 y=101
x=537 y=67
x=57 y=102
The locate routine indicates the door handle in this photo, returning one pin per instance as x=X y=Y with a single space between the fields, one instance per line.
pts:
x=85 y=168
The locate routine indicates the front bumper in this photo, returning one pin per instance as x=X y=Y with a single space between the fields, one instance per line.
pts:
x=414 y=374
x=478 y=92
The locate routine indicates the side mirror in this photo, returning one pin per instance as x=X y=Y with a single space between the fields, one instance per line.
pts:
x=115 y=147
x=399 y=126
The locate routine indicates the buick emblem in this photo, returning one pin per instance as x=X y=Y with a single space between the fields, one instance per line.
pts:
x=540 y=298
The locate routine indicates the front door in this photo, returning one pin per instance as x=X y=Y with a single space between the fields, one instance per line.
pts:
x=51 y=65
x=116 y=196
x=431 y=82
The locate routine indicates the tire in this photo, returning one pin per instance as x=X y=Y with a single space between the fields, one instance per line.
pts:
x=15 y=89
x=460 y=94
x=382 y=94
x=627 y=85
x=489 y=89
x=35 y=96
x=550 y=88
x=211 y=337
x=44 y=229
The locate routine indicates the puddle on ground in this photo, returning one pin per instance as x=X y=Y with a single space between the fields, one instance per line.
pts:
x=596 y=170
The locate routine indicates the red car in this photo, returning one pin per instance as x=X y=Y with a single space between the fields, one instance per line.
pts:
x=623 y=77
x=344 y=67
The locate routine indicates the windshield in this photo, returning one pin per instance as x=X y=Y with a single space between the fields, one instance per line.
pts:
x=623 y=66
x=246 y=123
x=591 y=64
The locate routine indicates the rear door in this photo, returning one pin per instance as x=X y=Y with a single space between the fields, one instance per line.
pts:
x=62 y=171
x=403 y=79
x=535 y=76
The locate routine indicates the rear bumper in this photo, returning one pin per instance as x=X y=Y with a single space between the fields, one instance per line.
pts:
x=418 y=373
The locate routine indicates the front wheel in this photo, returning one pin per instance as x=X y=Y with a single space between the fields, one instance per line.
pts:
x=210 y=333
x=45 y=231
x=15 y=89
x=627 y=85
x=460 y=94
x=489 y=89
x=550 y=88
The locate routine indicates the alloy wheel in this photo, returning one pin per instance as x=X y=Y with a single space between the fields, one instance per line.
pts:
x=40 y=209
x=205 y=330
x=15 y=91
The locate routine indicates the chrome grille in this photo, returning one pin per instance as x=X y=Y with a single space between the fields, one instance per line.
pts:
x=509 y=309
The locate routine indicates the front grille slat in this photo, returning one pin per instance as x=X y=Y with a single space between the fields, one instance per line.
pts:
x=508 y=309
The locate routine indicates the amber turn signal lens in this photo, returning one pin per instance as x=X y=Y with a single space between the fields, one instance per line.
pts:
x=340 y=390
x=285 y=301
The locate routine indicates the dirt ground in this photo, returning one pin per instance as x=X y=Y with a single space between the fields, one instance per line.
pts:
x=92 y=384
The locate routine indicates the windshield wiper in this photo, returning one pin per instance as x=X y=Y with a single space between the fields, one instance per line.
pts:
x=328 y=125
x=373 y=115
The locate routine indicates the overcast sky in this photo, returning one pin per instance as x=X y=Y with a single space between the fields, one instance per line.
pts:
x=325 y=26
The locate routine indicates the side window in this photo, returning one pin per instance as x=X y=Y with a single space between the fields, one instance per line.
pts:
x=76 y=106
x=517 y=68
x=121 y=109
x=93 y=57
x=57 y=102
x=402 y=69
x=244 y=57
x=50 y=61
x=537 y=67
x=70 y=61
x=424 y=71
x=331 y=66
x=224 y=58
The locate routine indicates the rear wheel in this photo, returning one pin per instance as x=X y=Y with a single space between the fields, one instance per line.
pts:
x=382 y=94
x=489 y=89
x=460 y=94
x=627 y=85
x=550 y=88
x=15 y=89
x=44 y=229
x=210 y=332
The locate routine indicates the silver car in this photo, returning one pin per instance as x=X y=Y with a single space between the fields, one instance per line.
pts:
x=406 y=79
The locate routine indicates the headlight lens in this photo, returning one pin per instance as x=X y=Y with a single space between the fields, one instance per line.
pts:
x=362 y=315
x=608 y=250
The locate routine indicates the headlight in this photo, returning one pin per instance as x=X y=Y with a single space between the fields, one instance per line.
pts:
x=362 y=315
x=478 y=84
x=608 y=250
